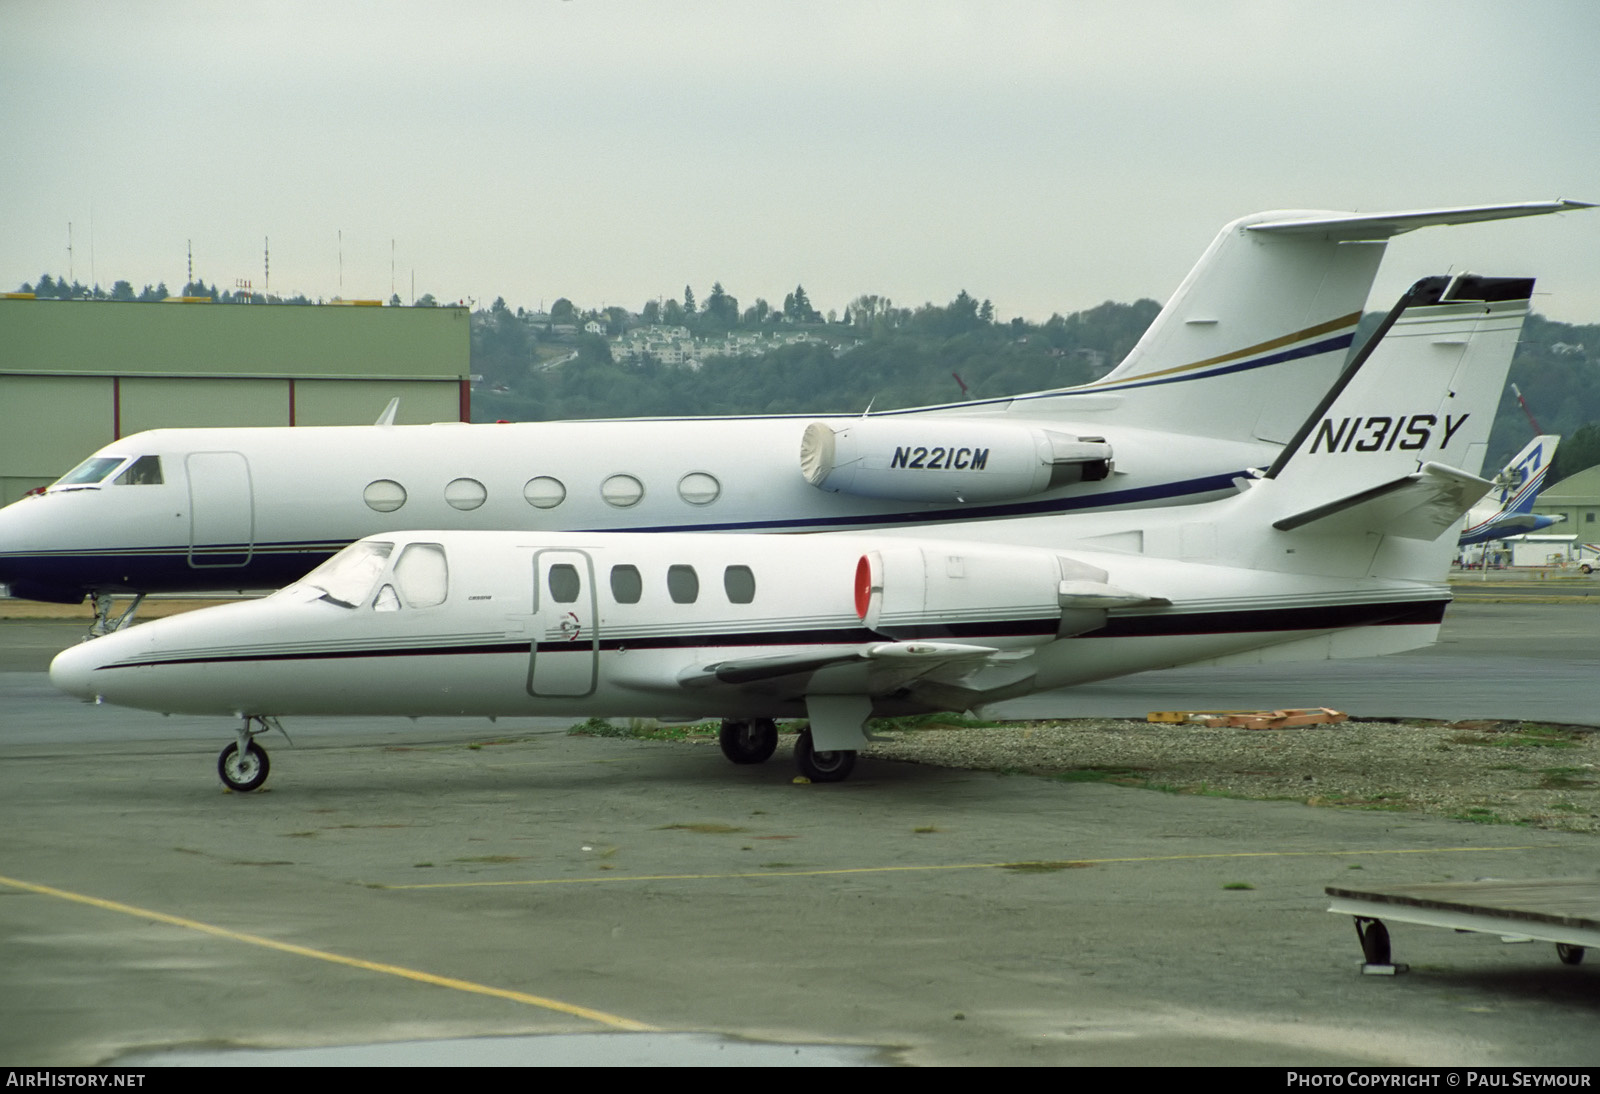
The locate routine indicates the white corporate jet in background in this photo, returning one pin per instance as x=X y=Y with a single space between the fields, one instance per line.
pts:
x=1339 y=548
x=1509 y=510
x=1234 y=362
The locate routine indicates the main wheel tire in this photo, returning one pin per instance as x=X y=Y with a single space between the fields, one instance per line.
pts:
x=1569 y=953
x=751 y=742
x=243 y=773
x=1374 y=938
x=822 y=767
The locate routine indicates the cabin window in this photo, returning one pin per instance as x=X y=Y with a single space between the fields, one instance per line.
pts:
x=565 y=584
x=683 y=584
x=699 y=488
x=622 y=491
x=740 y=584
x=347 y=578
x=387 y=600
x=544 y=492
x=465 y=494
x=626 y=584
x=384 y=495
x=423 y=574
x=91 y=470
x=144 y=471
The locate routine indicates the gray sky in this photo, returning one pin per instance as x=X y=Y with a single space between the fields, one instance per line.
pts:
x=1047 y=156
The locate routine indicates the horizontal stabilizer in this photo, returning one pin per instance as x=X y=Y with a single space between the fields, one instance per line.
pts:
x=1357 y=227
x=1418 y=506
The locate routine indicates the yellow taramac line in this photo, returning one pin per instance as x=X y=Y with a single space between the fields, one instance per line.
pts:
x=600 y=1016
x=613 y=878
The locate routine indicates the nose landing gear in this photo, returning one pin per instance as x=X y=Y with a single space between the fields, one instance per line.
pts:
x=243 y=765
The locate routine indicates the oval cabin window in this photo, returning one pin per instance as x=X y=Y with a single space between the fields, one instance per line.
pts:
x=699 y=488
x=465 y=494
x=384 y=496
x=622 y=491
x=544 y=492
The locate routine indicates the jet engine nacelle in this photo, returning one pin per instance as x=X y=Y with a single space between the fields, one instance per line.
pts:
x=941 y=593
x=927 y=458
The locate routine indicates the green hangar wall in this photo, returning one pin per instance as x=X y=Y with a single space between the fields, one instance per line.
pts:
x=79 y=374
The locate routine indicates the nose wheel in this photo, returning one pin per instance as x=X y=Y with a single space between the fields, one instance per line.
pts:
x=243 y=771
x=243 y=765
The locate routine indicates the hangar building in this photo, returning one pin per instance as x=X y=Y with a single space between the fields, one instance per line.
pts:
x=1577 y=498
x=78 y=374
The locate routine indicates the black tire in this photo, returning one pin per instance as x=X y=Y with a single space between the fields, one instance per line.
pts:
x=1586 y=568
x=243 y=774
x=1569 y=954
x=750 y=742
x=822 y=767
x=1374 y=938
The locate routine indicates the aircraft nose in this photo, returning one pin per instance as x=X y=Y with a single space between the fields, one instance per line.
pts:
x=73 y=669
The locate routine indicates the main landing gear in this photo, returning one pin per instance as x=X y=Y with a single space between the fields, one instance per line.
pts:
x=243 y=765
x=751 y=742
x=822 y=767
x=754 y=741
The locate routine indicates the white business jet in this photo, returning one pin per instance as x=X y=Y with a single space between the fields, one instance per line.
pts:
x=1340 y=548
x=1247 y=344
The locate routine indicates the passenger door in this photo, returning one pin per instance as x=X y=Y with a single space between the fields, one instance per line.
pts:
x=565 y=651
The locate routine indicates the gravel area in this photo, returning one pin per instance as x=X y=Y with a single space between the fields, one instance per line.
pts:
x=1486 y=772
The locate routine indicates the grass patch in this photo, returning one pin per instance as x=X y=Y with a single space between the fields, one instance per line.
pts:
x=1383 y=803
x=1237 y=885
x=923 y=829
x=1042 y=867
x=1521 y=735
x=1122 y=776
x=1566 y=778
x=937 y=721
x=645 y=729
x=711 y=829
x=490 y=858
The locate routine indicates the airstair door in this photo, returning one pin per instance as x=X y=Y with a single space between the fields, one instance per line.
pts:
x=566 y=626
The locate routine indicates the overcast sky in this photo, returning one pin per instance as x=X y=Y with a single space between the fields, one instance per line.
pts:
x=1047 y=156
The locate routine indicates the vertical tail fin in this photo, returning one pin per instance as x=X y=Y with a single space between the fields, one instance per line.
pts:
x=1396 y=446
x=1509 y=510
x=1522 y=479
x=1260 y=327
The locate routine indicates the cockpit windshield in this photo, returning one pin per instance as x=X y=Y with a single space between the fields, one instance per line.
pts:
x=144 y=471
x=347 y=579
x=90 y=471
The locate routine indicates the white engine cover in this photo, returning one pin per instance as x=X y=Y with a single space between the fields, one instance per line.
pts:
x=934 y=459
x=919 y=592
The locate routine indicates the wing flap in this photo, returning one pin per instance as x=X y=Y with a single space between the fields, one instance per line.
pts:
x=905 y=660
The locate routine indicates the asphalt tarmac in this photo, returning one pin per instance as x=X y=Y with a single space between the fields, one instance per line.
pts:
x=451 y=891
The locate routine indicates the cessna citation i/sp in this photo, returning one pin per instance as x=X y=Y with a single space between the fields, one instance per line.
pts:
x=1249 y=341
x=1338 y=549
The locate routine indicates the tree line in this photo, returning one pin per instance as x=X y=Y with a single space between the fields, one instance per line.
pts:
x=878 y=354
